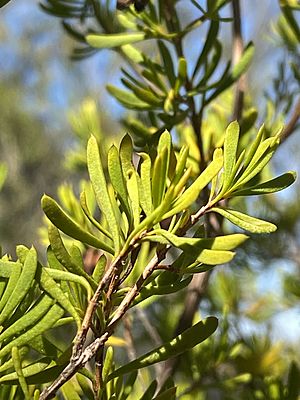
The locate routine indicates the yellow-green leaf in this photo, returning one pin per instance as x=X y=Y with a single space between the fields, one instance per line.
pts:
x=245 y=221
x=114 y=40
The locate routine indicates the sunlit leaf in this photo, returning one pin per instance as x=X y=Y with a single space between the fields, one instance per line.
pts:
x=245 y=221
x=114 y=40
x=191 y=194
x=100 y=188
x=63 y=222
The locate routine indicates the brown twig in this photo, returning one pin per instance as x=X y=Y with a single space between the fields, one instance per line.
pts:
x=82 y=358
x=292 y=123
x=237 y=51
x=112 y=270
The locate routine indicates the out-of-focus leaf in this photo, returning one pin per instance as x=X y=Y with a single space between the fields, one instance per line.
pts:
x=208 y=44
x=187 y=340
x=168 y=62
x=244 y=62
x=128 y=99
x=3 y=173
x=114 y=40
x=3 y=2
x=168 y=394
x=132 y=53
x=245 y=221
x=293 y=385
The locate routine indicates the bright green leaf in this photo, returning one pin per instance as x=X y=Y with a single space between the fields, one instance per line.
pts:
x=71 y=228
x=244 y=221
x=114 y=40
x=100 y=188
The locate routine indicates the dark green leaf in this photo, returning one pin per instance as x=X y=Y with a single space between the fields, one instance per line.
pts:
x=187 y=340
x=274 y=185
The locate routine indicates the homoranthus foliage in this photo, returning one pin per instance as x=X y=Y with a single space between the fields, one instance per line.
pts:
x=153 y=209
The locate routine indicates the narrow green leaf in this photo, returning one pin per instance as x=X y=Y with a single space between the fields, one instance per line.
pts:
x=293 y=385
x=230 y=150
x=22 y=286
x=254 y=146
x=244 y=62
x=187 y=340
x=64 y=257
x=114 y=40
x=168 y=62
x=292 y=21
x=168 y=394
x=9 y=364
x=108 y=363
x=38 y=310
x=149 y=393
x=100 y=268
x=63 y=222
x=145 y=191
x=18 y=368
x=209 y=69
x=274 y=185
x=128 y=99
x=52 y=288
x=85 y=209
x=117 y=179
x=181 y=163
x=144 y=94
x=85 y=386
x=191 y=194
x=14 y=270
x=126 y=154
x=69 y=392
x=156 y=290
x=207 y=251
x=260 y=159
x=164 y=150
x=244 y=221
x=208 y=44
x=28 y=371
x=133 y=193
x=158 y=179
x=227 y=242
x=132 y=53
x=100 y=188
x=49 y=319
